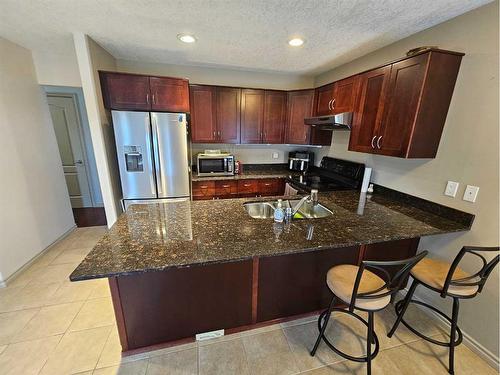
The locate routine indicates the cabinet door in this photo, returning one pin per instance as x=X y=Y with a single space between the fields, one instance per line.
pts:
x=252 y=115
x=324 y=97
x=203 y=114
x=169 y=94
x=203 y=190
x=274 y=116
x=367 y=116
x=125 y=91
x=405 y=87
x=228 y=114
x=300 y=106
x=344 y=95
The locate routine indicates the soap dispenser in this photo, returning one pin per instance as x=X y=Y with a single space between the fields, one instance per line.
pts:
x=279 y=214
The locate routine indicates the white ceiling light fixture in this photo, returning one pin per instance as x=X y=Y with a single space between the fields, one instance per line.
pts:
x=296 y=42
x=186 y=38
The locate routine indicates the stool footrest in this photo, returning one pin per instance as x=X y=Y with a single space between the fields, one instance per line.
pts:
x=339 y=352
x=398 y=307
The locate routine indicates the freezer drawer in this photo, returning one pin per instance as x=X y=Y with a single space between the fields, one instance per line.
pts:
x=134 y=152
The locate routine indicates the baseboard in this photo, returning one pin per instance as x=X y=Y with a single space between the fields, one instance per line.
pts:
x=468 y=340
x=9 y=279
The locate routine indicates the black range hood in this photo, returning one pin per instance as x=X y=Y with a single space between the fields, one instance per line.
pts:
x=340 y=121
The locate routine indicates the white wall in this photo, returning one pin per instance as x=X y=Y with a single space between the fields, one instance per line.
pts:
x=468 y=152
x=57 y=69
x=35 y=203
x=219 y=76
x=91 y=58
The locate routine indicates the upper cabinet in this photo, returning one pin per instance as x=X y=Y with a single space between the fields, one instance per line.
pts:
x=169 y=94
x=337 y=97
x=203 y=121
x=300 y=106
x=402 y=107
x=122 y=91
x=215 y=114
x=252 y=115
x=274 y=116
x=125 y=91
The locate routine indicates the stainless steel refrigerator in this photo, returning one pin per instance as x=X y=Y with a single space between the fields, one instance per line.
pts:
x=152 y=154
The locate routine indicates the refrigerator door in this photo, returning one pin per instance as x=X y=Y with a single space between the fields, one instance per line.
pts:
x=171 y=154
x=135 y=154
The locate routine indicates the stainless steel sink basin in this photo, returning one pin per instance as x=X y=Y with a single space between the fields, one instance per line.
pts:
x=265 y=210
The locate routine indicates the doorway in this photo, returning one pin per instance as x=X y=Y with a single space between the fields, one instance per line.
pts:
x=84 y=195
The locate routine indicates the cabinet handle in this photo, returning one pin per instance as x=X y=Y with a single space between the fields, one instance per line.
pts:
x=330 y=105
x=154 y=101
x=378 y=142
x=333 y=104
x=246 y=185
x=147 y=98
x=225 y=186
x=373 y=140
x=203 y=187
x=214 y=133
x=218 y=133
x=267 y=184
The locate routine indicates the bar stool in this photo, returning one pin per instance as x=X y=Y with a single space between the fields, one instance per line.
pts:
x=447 y=280
x=363 y=290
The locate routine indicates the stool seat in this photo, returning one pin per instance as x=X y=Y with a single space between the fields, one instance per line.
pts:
x=433 y=273
x=341 y=279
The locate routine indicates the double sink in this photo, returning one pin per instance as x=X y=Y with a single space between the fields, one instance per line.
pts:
x=308 y=210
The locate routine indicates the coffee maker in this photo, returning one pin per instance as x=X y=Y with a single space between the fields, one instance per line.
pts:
x=300 y=161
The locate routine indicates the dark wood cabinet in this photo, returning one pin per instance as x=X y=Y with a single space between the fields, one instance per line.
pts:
x=226 y=189
x=324 y=97
x=244 y=188
x=125 y=91
x=252 y=115
x=368 y=115
x=228 y=114
x=403 y=113
x=345 y=93
x=300 y=106
x=169 y=94
x=274 y=116
x=203 y=122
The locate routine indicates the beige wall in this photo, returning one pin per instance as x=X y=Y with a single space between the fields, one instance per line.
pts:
x=219 y=76
x=35 y=201
x=91 y=58
x=57 y=69
x=468 y=152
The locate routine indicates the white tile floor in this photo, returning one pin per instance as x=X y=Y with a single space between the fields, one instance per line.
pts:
x=51 y=326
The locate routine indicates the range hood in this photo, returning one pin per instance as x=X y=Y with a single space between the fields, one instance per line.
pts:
x=340 y=121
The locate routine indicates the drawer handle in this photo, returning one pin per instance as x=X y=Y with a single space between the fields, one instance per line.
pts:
x=225 y=186
x=246 y=185
x=267 y=184
x=203 y=187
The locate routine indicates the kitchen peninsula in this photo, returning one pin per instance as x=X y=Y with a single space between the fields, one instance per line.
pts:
x=189 y=267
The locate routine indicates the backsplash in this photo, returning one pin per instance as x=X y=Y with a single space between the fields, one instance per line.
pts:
x=252 y=154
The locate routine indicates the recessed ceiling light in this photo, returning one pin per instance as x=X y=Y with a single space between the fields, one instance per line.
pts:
x=296 y=42
x=186 y=38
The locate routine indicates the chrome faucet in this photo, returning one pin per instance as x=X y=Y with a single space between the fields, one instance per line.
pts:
x=313 y=198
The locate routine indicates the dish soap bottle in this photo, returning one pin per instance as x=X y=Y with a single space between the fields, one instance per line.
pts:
x=279 y=214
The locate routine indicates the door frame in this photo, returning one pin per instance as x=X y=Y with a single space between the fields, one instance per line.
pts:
x=76 y=93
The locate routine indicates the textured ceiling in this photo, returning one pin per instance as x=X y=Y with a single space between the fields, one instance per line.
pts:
x=250 y=34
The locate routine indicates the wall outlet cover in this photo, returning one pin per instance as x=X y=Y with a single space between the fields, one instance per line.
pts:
x=470 y=194
x=451 y=189
x=276 y=155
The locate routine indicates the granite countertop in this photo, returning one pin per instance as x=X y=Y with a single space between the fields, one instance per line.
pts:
x=181 y=234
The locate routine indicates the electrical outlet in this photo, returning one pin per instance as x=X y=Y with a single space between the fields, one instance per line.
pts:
x=451 y=189
x=470 y=194
x=275 y=155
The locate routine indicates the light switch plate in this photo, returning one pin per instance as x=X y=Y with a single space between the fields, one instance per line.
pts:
x=275 y=155
x=451 y=189
x=470 y=194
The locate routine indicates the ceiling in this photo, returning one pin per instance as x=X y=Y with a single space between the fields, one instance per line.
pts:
x=249 y=35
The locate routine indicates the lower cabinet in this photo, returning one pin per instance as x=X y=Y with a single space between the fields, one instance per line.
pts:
x=245 y=188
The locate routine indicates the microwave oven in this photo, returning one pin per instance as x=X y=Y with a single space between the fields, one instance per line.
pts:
x=215 y=164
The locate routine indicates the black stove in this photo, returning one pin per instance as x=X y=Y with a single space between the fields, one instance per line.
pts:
x=333 y=174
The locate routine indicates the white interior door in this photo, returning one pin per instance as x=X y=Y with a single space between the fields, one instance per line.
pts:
x=71 y=148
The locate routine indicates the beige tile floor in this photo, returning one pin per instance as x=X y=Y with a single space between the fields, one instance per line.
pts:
x=51 y=326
